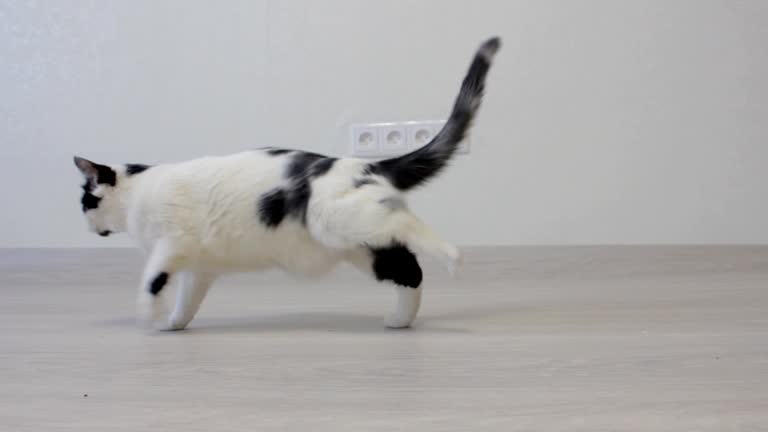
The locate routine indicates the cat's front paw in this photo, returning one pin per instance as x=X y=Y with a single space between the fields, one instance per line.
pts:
x=173 y=323
x=151 y=312
x=455 y=261
x=169 y=325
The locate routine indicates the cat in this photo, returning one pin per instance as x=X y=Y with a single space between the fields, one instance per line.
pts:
x=278 y=208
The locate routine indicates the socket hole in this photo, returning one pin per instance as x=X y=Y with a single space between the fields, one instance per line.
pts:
x=365 y=139
x=394 y=138
x=422 y=136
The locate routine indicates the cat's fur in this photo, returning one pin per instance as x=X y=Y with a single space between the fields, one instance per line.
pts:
x=267 y=208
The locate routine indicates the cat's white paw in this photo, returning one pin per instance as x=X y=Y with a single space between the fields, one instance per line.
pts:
x=398 y=321
x=453 y=259
x=151 y=312
x=169 y=325
x=406 y=309
x=174 y=323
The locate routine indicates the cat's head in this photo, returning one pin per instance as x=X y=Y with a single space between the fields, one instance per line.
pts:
x=101 y=206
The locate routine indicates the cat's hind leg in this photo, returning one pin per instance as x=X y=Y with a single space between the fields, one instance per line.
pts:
x=395 y=265
x=420 y=237
x=376 y=217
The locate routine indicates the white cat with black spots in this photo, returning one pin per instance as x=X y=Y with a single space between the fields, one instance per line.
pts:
x=298 y=211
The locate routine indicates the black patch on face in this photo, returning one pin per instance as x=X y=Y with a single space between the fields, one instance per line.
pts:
x=105 y=175
x=158 y=283
x=105 y=233
x=292 y=199
x=278 y=151
x=271 y=208
x=358 y=183
x=397 y=264
x=133 y=169
x=89 y=201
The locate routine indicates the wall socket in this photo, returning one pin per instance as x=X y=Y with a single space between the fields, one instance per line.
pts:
x=395 y=138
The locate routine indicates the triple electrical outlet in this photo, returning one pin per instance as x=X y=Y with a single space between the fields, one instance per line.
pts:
x=391 y=139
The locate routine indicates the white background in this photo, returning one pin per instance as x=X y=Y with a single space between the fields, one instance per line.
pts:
x=605 y=122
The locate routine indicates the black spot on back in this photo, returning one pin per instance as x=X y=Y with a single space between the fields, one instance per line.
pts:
x=292 y=198
x=397 y=264
x=133 y=169
x=303 y=168
x=297 y=200
x=322 y=166
x=278 y=151
x=271 y=208
x=158 y=283
x=303 y=165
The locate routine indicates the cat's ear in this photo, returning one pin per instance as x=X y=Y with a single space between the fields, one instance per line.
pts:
x=86 y=167
x=94 y=172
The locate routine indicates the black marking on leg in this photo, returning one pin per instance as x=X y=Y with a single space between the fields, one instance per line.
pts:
x=271 y=208
x=397 y=264
x=133 y=169
x=158 y=283
x=358 y=183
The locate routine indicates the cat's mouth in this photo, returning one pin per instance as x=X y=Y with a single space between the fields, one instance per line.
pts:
x=105 y=233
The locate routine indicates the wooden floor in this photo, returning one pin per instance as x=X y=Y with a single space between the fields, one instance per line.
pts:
x=539 y=339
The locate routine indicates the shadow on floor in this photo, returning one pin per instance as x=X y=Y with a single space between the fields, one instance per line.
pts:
x=306 y=321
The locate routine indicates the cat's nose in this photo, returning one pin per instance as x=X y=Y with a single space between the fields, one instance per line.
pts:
x=105 y=233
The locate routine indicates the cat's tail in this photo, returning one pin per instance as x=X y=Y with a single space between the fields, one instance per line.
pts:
x=415 y=168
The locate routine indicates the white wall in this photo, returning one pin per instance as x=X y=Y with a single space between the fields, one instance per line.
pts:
x=605 y=121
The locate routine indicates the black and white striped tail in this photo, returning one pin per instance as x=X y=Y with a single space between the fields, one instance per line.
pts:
x=415 y=168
